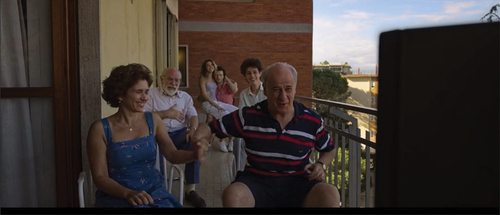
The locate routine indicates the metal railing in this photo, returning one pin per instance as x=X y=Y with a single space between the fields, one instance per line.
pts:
x=348 y=143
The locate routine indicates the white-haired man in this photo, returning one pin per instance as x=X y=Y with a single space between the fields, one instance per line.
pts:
x=177 y=111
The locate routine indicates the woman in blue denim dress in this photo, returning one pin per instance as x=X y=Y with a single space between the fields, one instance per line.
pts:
x=122 y=148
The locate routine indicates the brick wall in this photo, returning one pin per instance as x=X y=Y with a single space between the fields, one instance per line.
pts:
x=229 y=49
x=283 y=11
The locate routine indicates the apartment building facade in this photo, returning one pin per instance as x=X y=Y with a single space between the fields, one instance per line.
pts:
x=343 y=68
x=364 y=92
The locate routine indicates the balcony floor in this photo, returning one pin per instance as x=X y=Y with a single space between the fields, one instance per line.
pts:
x=214 y=177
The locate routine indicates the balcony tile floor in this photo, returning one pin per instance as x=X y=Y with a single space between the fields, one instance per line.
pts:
x=214 y=177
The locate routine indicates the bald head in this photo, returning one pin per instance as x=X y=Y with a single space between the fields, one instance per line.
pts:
x=277 y=67
x=280 y=80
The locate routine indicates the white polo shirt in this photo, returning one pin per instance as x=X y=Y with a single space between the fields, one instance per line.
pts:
x=247 y=98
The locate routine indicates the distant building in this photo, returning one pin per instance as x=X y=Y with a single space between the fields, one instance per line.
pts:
x=343 y=68
x=364 y=92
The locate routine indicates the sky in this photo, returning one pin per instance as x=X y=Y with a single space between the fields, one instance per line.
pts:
x=348 y=30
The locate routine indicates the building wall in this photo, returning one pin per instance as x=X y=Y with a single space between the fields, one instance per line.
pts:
x=90 y=82
x=373 y=124
x=127 y=36
x=360 y=89
x=362 y=92
x=229 y=32
x=344 y=68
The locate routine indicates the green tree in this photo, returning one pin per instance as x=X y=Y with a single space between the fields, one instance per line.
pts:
x=330 y=85
x=337 y=181
x=491 y=16
x=325 y=63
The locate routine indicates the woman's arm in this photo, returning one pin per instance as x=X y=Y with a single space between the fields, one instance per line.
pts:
x=167 y=147
x=96 y=150
x=232 y=85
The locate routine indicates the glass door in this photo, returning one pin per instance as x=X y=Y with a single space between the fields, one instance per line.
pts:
x=39 y=150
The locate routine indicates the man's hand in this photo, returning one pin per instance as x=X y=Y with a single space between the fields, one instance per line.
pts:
x=315 y=171
x=173 y=113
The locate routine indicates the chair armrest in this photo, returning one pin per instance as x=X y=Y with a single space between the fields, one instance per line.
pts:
x=181 y=181
x=81 y=180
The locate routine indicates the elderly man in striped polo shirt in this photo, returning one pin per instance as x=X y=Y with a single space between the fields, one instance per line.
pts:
x=280 y=134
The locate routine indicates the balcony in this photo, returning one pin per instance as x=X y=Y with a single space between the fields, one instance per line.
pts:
x=350 y=172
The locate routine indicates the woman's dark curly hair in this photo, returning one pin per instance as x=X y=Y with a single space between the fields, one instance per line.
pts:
x=204 y=67
x=121 y=79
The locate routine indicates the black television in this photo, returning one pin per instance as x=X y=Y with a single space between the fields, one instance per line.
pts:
x=438 y=117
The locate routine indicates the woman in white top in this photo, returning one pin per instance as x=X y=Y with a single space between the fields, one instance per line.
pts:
x=211 y=106
x=208 y=92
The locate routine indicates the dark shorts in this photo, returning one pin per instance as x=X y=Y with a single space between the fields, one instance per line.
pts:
x=269 y=191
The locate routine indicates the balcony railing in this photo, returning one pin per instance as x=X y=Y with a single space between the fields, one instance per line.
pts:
x=352 y=150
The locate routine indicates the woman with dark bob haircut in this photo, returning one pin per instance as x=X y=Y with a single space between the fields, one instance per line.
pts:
x=208 y=87
x=122 y=148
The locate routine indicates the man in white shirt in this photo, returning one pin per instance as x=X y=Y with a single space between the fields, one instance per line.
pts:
x=251 y=69
x=177 y=111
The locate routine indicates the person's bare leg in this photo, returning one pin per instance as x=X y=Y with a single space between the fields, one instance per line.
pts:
x=322 y=195
x=237 y=195
x=209 y=118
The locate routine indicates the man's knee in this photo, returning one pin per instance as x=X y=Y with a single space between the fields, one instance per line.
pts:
x=237 y=195
x=323 y=195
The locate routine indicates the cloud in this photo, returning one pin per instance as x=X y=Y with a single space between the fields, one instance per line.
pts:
x=352 y=35
x=337 y=3
x=456 y=8
x=352 y=14
x=427 y=17
x=341 y=40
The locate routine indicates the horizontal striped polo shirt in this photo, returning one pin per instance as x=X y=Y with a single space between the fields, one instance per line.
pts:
x=270 y=150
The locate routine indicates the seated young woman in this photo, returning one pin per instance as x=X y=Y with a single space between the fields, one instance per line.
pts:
x=226 y=88
x=210 y=104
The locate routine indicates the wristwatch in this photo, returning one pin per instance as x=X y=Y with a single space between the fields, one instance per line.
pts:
x=322 y=165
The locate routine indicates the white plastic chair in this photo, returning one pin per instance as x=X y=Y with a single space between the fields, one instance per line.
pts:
x=233 y=169
x=168 y=181
x=81 y=197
